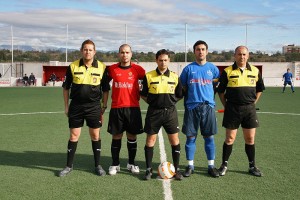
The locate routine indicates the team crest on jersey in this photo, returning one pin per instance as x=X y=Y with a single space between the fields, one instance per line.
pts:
x=209 y=73
x=252 y=81
x=130 y=76
x=94 y=80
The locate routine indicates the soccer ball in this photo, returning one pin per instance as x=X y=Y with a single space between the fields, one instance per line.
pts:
x=166 y=170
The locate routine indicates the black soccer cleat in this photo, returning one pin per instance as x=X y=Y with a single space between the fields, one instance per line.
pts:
x=188 y=171
x=213 y=172
x=178 y=176
x=65 y=171
x=222 y=170
x=255 y=171
x=100 y=171
x=148 y=174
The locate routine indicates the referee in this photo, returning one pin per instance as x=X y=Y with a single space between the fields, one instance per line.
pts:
x=84 y=78
x=161 y=90
x=240 y=87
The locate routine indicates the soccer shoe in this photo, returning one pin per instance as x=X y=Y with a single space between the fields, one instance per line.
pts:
x=148 y=174
x=188 y=171
x=255 y=171
x=113 y=170
x=133 y=168
x=178 y=176
x=100 y=171
x=65 y=171
x=222 y=170
x=213 y=172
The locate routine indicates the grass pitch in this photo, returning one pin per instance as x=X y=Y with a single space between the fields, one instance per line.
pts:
x=33 y=141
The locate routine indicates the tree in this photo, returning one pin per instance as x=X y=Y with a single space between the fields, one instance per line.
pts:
x=111 y=56
x=290 y=57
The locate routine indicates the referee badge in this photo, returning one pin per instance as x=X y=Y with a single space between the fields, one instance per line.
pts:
x=172 y=89
x=94 y=80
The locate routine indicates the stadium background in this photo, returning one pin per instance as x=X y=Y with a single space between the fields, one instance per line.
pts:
x=271 y=71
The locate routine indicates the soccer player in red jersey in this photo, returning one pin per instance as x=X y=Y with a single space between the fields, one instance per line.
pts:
x=125 y=113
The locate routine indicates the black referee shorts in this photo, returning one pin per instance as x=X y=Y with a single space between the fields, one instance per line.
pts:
x=165 y=117
x=90 y=112
x=236 y=115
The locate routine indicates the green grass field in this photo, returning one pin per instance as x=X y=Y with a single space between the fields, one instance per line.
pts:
x=33 y=141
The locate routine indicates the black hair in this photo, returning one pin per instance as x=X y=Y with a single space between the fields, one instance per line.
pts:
x=200 y=42
x=162 y=52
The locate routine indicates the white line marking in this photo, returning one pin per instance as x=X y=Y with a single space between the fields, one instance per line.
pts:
x=59 y=112
x=32 y=113
x=275 y=113
x=163 y=158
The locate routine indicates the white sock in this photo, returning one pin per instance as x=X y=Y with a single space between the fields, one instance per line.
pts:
x=211 y=162
x=191 y=162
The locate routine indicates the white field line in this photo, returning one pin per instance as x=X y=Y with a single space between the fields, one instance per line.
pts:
x=31 y=113
x=273 y=113
x=59 y=112
x=163 y=158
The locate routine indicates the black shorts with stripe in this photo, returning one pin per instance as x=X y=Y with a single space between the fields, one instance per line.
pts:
x=164 y=117
x=90 y=112
x=236 y=115
x=125 y=119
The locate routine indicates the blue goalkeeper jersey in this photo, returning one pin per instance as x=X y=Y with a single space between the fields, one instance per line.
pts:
x=198 y=82
x=288 y=76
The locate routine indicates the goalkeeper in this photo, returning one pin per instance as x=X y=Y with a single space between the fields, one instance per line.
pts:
x=288 y=80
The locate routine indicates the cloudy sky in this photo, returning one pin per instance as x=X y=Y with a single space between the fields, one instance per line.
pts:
x=262 y=25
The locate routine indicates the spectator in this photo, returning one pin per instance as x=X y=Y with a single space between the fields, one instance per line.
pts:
x=25 y=80
x=53 y=78
x=32 y=79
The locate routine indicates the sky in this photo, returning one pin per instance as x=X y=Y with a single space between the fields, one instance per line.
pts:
x=148 y=26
